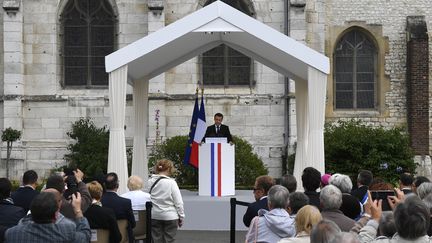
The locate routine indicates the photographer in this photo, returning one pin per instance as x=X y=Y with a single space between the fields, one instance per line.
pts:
x=68 y=185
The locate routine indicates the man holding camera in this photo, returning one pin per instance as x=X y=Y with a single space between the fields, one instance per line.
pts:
x=68 y=185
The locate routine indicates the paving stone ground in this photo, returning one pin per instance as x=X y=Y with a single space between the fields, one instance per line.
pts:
x=195 y=236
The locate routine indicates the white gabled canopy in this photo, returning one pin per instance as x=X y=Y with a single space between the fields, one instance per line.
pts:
x=216 y=24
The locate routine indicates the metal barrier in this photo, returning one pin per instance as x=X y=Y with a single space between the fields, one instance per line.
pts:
x=148 y=206
x=234 y=203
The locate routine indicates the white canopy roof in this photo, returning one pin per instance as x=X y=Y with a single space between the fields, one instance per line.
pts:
x=216 y=24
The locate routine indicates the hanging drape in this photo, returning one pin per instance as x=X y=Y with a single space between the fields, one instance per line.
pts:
x=302 y=120
x=117 y=161
x=317 y=83
x=139 y=158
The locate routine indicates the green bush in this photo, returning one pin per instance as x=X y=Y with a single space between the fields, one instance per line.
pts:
x=247 y=164
x=351 y=146
x=90 y=150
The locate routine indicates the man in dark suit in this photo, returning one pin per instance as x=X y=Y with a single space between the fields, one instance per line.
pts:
x=311 y=179
x=218 y=129
x=364 y=180
x=23 y=196
x=9 y=213
x=121 y=206
x=405 y=182
x=260 y=190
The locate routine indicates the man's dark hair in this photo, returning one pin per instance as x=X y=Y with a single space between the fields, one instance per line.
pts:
x=30 y=177
x=364 y=177
x=43 y=208
x=296 y=201
x=290 y=182
x=219 y=115
x=5 y=188
x=265 y=183
x=311 y=179
x=111 y=181
x=406 y=179
x=419 y=180
x=56 y=182
x=412 y=218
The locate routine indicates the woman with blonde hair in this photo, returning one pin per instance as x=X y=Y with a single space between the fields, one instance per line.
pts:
x=306 y=218
x=168 y=211
x=100 y=217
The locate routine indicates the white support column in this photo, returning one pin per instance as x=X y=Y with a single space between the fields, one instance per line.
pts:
x=117 y=161
x=302 y=129
x=317 y=83
x=139 y=158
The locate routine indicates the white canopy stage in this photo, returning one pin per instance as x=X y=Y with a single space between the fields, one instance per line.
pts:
x=215 y=24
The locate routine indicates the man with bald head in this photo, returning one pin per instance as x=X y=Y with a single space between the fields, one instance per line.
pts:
x=60 y=218
x=45 y=209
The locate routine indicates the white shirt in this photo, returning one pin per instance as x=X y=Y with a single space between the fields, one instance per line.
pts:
x=138 y=199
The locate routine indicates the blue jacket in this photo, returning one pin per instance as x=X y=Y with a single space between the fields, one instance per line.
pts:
x=271 y=226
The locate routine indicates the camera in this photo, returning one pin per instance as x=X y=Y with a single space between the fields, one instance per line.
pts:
x=71 y=183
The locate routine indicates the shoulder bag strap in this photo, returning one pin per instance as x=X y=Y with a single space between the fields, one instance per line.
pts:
x=154 y=184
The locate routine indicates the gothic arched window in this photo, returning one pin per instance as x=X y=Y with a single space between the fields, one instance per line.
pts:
x=88 y=36
x=223 y=65
x=355 y=68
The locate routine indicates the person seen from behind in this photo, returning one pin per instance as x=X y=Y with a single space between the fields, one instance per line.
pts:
x=135 y=193
x=260 y=190
x=307 y=217
x=168 y=211
x=271 y=226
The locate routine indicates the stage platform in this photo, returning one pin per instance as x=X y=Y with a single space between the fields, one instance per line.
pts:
x=213 y=213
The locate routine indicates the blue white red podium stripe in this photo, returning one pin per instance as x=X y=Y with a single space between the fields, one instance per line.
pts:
x=216 y=169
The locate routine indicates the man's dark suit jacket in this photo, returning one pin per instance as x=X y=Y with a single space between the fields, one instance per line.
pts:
x=314 y=199
x=9 y=216
x=223 y=132
x=361 y=193
x=252 y=210
x=23 y=196
x=122 y=208
x=104 y=218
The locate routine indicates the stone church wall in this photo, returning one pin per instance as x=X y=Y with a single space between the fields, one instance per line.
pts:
x=44 y=109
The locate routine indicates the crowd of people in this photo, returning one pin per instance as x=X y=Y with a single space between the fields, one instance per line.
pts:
x=67 y=209
x=328 y=209
x=331 y=210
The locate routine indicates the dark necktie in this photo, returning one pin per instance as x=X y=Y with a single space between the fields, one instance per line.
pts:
x=217 y=129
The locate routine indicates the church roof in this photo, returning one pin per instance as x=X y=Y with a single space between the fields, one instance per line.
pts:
x=215 y=24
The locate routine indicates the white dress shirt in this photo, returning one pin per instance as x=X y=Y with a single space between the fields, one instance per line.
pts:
x=138 y=198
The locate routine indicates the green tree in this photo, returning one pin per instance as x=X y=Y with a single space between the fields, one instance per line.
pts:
x=9 y=136
x=351 y=146
x=247 y=164
x=89 y=152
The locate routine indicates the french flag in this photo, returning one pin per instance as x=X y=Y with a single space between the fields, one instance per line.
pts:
x=196 y=134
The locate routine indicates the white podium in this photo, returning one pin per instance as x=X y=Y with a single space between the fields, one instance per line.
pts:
x=216 y=173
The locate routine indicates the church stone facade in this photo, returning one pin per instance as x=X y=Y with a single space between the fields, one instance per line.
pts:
x=379 y=57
